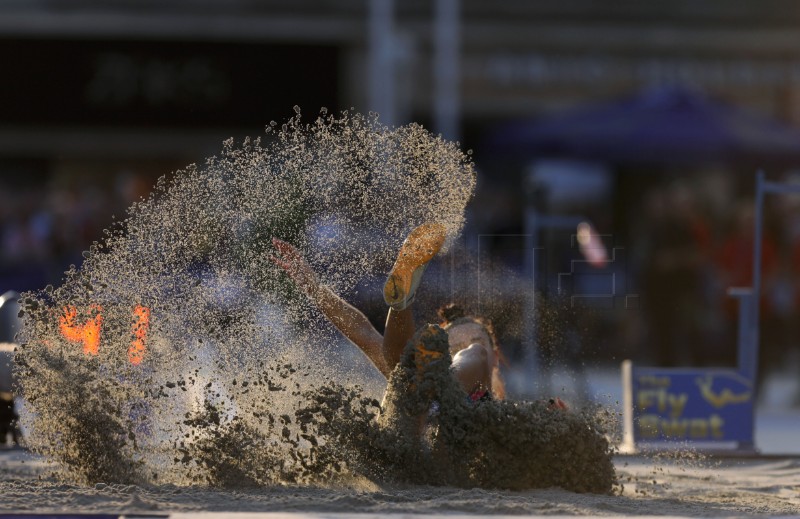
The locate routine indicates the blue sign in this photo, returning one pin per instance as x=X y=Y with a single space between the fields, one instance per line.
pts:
x=692 y=404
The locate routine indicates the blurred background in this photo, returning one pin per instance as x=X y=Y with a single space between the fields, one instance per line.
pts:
x=645 y=119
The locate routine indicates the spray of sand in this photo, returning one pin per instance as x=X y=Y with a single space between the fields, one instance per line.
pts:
x=178 y=353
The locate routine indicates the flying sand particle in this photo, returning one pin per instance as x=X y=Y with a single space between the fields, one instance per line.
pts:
x=194 y=336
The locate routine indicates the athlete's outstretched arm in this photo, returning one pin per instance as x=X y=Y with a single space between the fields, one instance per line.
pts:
x=345 y=317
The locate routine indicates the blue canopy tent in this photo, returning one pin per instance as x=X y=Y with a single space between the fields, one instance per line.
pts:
x=668 y=125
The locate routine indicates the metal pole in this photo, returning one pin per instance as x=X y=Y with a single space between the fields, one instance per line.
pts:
x=381 y=60
x=446 y=69
x=535 y=210
x=750 y=365
x=530 y=347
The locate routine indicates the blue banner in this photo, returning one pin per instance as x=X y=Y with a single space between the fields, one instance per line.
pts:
x=692 y=404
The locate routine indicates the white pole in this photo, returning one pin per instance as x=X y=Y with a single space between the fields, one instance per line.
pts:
x=446 y=69
x=381 y=60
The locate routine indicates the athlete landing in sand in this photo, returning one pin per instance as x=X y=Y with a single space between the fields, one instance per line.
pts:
x=472 y=341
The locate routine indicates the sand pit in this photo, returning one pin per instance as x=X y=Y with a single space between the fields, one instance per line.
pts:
x=679 y=487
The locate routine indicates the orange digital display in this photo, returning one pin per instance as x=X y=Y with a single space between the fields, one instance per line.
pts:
x=88 y=332
x=141 y=324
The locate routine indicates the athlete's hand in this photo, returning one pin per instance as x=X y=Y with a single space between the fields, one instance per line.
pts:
x=295 y=265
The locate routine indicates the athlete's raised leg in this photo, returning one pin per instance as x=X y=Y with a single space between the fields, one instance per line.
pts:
x=421 y=245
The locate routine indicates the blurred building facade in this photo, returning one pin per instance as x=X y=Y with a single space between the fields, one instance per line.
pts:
x=88 y=76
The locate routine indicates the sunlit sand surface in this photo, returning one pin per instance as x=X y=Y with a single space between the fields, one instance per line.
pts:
x=668 y=487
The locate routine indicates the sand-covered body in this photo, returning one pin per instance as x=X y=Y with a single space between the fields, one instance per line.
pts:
x=489 y=444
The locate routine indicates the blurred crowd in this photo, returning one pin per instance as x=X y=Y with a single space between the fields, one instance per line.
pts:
x=680 y=240
x=695 y=241
x=45 y=226
x=686 y=240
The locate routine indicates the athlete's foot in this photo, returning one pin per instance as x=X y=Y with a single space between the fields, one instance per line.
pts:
x=421 y=245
